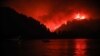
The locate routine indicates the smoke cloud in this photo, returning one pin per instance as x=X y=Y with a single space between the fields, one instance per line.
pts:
x=51 y=13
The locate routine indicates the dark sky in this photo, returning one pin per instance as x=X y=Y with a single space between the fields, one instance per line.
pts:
x=54 y=13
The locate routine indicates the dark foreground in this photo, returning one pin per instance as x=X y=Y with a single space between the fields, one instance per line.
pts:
x=50 y=47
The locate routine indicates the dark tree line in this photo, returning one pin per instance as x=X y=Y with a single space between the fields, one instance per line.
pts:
x=82 y=28
x=14 y=24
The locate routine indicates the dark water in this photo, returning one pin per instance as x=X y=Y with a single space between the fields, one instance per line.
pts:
x=51 y=47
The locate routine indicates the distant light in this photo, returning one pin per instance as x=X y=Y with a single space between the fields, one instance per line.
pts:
x=79 y=17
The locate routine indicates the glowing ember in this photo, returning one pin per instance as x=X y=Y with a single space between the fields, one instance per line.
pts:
x=79 y=17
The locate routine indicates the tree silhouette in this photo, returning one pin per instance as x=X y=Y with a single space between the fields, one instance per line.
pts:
x=14 y=24
x=84 y=28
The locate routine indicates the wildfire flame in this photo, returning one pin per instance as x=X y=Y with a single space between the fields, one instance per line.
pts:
x=79 y=17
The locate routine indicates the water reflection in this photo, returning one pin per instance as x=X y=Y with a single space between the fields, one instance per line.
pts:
x=56 y=47
x=80 y=47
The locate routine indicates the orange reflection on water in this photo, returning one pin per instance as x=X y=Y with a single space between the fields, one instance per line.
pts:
x=80 y=47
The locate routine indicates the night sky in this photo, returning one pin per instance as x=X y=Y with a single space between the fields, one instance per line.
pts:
x=54 y=13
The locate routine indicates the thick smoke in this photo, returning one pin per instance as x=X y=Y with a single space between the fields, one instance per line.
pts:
x=52 y=13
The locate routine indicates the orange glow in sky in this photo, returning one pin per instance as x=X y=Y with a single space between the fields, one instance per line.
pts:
x=53 y=13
